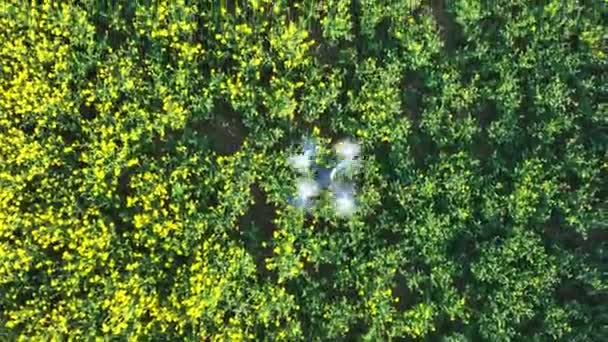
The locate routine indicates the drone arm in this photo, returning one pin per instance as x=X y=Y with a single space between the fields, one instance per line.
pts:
x=341 y=165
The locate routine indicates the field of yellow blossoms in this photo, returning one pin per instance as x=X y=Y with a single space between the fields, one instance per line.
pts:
x=144 y=174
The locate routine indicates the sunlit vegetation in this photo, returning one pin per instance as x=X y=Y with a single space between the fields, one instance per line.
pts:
x=145 y=182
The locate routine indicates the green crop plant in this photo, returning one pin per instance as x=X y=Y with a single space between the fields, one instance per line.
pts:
x=145 y=176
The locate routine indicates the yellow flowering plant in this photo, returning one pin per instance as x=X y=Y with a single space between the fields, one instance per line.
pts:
x=145 y=176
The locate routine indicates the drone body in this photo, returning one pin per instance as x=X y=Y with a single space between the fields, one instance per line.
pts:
x=322 y=175
x=325 y=178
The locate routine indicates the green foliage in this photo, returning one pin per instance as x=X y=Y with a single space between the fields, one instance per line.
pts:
x=144 y=181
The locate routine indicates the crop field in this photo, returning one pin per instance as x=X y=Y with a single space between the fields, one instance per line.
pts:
x=148 y=189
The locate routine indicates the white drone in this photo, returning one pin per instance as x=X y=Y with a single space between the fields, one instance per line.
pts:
x=327 y=178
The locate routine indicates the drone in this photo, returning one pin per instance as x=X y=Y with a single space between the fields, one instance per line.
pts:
x=335 y=179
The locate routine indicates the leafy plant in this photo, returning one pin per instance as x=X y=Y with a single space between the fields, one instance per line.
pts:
x=145 y=183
